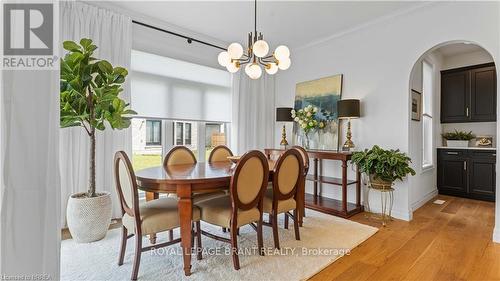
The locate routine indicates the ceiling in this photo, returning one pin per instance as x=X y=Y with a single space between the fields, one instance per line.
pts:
x=291 y=23
x=458 y=48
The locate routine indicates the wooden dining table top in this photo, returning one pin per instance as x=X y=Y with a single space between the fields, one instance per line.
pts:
x=199 y=173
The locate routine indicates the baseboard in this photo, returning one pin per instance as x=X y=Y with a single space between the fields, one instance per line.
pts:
x=427 y=197
x=496 y=234
x=397 y=214
x=402 y=215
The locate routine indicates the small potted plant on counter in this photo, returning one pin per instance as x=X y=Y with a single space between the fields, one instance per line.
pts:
x=383 y=166
x=458 y=138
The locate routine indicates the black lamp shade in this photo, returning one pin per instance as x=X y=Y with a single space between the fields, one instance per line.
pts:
x=284 y=114
x=348 y=108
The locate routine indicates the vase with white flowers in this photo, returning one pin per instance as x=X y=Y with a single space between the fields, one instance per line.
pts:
x=306 y=120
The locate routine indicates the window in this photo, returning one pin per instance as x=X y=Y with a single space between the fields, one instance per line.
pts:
x=427 y=128
x=170 y=92
x=153 y=132
x=179 y=133
x=187 y=133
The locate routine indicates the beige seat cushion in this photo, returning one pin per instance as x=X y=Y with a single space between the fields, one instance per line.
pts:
x=218 y=212
x=283 y=205
x=157 y=216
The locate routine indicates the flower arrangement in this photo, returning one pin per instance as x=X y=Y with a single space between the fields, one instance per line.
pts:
x=306 y=118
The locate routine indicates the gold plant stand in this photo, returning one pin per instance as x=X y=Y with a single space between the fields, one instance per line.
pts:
x=386 y=200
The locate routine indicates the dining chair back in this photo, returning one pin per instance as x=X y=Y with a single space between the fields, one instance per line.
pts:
x=302 y=211
x=288 y=173
x=249 y=181
x=220 y=154
x=179 y=155
x=126 y=185
x=305 y=157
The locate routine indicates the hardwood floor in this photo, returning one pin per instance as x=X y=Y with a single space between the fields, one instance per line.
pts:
x=443 y=242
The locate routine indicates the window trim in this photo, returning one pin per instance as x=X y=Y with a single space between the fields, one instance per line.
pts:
x=153 y=143
x=427 y=166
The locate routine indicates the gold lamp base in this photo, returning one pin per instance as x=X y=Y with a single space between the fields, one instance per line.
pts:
x=348 y=145
x=283 y=142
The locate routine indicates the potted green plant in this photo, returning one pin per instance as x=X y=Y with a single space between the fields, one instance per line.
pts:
x=458 y=138
x=89 y=98
x=383 y=166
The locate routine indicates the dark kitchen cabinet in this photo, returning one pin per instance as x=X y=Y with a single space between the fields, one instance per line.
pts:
x=452 y=172
x=467 y=173
x=468 y=94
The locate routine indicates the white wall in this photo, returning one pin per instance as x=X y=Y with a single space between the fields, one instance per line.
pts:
x=466 y=59
x=376 y=62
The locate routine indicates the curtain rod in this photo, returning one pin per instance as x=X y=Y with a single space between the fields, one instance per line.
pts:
x=189 y=39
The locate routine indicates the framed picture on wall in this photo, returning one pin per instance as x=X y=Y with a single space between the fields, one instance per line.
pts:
x=416 y=105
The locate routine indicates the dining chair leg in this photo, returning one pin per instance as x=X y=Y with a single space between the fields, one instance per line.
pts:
x=170 y=235
x=137 y=258
x=260 y=241
x=198 y=241
x=286 y=220
x=296 y=224
x=234 y=248
x=123 y=246
x=275 y=231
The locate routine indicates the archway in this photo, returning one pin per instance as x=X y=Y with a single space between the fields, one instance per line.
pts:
x=425 y=132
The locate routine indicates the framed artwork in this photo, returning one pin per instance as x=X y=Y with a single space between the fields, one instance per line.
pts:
x=416 y=105
x=322 y=93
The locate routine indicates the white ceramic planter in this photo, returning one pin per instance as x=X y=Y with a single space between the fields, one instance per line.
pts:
x=89 y=218
x=457 y=143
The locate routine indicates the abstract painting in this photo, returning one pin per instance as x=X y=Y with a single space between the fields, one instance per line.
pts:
x=322 y=93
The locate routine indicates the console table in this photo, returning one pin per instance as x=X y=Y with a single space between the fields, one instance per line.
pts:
x=315 y=201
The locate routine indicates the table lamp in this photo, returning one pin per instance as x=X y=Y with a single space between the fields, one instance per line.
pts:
x=284 y=114
x=348 y=109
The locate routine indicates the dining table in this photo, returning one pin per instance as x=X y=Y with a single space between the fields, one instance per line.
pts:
x=185 y=181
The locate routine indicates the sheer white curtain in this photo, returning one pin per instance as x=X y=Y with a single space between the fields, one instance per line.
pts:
x=253 y=112
x=112 y=33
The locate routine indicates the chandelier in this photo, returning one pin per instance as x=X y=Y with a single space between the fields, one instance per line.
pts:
x=256 y=55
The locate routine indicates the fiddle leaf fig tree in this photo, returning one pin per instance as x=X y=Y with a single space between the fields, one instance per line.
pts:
x=90 y=96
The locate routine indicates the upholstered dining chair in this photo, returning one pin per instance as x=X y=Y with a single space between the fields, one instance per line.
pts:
x=220 y=154
x=145 y=218
x=244 y=204
x=283 y=197
x=305 y=158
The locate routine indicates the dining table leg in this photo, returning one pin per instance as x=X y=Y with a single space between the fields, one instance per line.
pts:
x=185 y=205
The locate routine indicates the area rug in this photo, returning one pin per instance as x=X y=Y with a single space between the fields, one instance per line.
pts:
x=324 y=239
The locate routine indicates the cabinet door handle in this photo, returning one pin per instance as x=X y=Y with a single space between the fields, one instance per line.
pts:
x=467 y=111
x=465 y=165
x=452 y=153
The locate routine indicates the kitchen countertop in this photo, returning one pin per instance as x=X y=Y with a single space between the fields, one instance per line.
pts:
x=470 y=147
